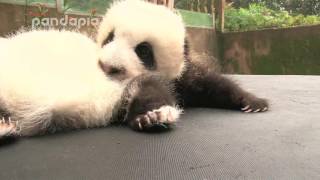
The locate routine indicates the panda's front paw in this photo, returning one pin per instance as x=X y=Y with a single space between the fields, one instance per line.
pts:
x=252 y=104
x=157 y=119
x=7 y=127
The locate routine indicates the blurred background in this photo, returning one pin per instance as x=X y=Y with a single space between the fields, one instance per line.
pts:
x=242 y=36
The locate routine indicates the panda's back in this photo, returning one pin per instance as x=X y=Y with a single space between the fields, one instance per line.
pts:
x=57 y=69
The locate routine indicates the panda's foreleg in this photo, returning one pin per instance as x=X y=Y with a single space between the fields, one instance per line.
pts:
x=7 y=127
x=152 y=104
x=26 y=119
x=200 y=88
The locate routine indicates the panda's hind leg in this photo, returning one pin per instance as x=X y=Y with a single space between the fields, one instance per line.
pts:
x=201 y=88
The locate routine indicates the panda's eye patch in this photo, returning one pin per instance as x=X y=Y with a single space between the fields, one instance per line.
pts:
x=145 y=52
x=108 y=39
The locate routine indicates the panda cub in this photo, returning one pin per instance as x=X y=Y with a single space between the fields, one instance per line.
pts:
x=138 y=72
x=138 y=37
x=52 y=80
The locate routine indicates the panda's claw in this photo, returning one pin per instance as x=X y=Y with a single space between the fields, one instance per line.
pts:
x=245 y=108
x=258 y=110
x=251 y=103
x=146 y=119
x=152 y=116
x=2 y=121
x=139 y=123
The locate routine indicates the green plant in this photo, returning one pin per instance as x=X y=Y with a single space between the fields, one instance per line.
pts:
x=306 y=7
x=259 y=16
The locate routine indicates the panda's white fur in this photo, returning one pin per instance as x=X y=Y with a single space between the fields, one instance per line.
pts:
x=52 y=77
x=136 y=21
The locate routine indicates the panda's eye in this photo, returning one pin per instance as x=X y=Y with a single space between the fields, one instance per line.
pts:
x=145 y=53
x=108 y=39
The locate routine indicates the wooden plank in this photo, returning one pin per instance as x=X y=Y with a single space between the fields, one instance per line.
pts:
x=171 y=4
x=60 y=6
x=168 y=3
x=220 y=9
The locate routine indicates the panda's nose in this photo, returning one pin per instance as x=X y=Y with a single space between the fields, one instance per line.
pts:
x=111 y=70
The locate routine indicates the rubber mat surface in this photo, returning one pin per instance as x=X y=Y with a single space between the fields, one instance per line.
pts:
x=283 y=143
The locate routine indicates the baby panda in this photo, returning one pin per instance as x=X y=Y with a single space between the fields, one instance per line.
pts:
x=140 y=66
x=52 y=80
x=138 y=37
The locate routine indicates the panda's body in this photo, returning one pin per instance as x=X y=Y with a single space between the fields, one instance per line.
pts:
x=52 y=76
x=52 y=80
x=135 y=72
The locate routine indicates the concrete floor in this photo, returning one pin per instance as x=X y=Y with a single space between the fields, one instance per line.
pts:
x=283 y=143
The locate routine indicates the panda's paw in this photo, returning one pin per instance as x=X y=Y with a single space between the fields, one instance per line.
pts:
x=7 y=127
x=253 y=104
x=157 y=119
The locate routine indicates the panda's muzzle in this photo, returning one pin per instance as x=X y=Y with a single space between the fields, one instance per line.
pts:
x=113 y=72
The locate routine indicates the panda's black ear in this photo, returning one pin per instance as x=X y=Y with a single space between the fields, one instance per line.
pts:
x=186 y=49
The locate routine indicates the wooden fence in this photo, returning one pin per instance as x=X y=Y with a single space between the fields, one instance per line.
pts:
x=205 y=6
x=168 y=3
x=214 y=7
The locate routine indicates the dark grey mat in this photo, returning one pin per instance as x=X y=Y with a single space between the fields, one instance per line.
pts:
x=283 y=143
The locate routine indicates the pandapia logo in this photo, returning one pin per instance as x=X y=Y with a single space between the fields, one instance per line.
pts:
x=65 y=21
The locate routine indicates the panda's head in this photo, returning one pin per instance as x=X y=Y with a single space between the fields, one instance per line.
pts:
x=139 y=37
